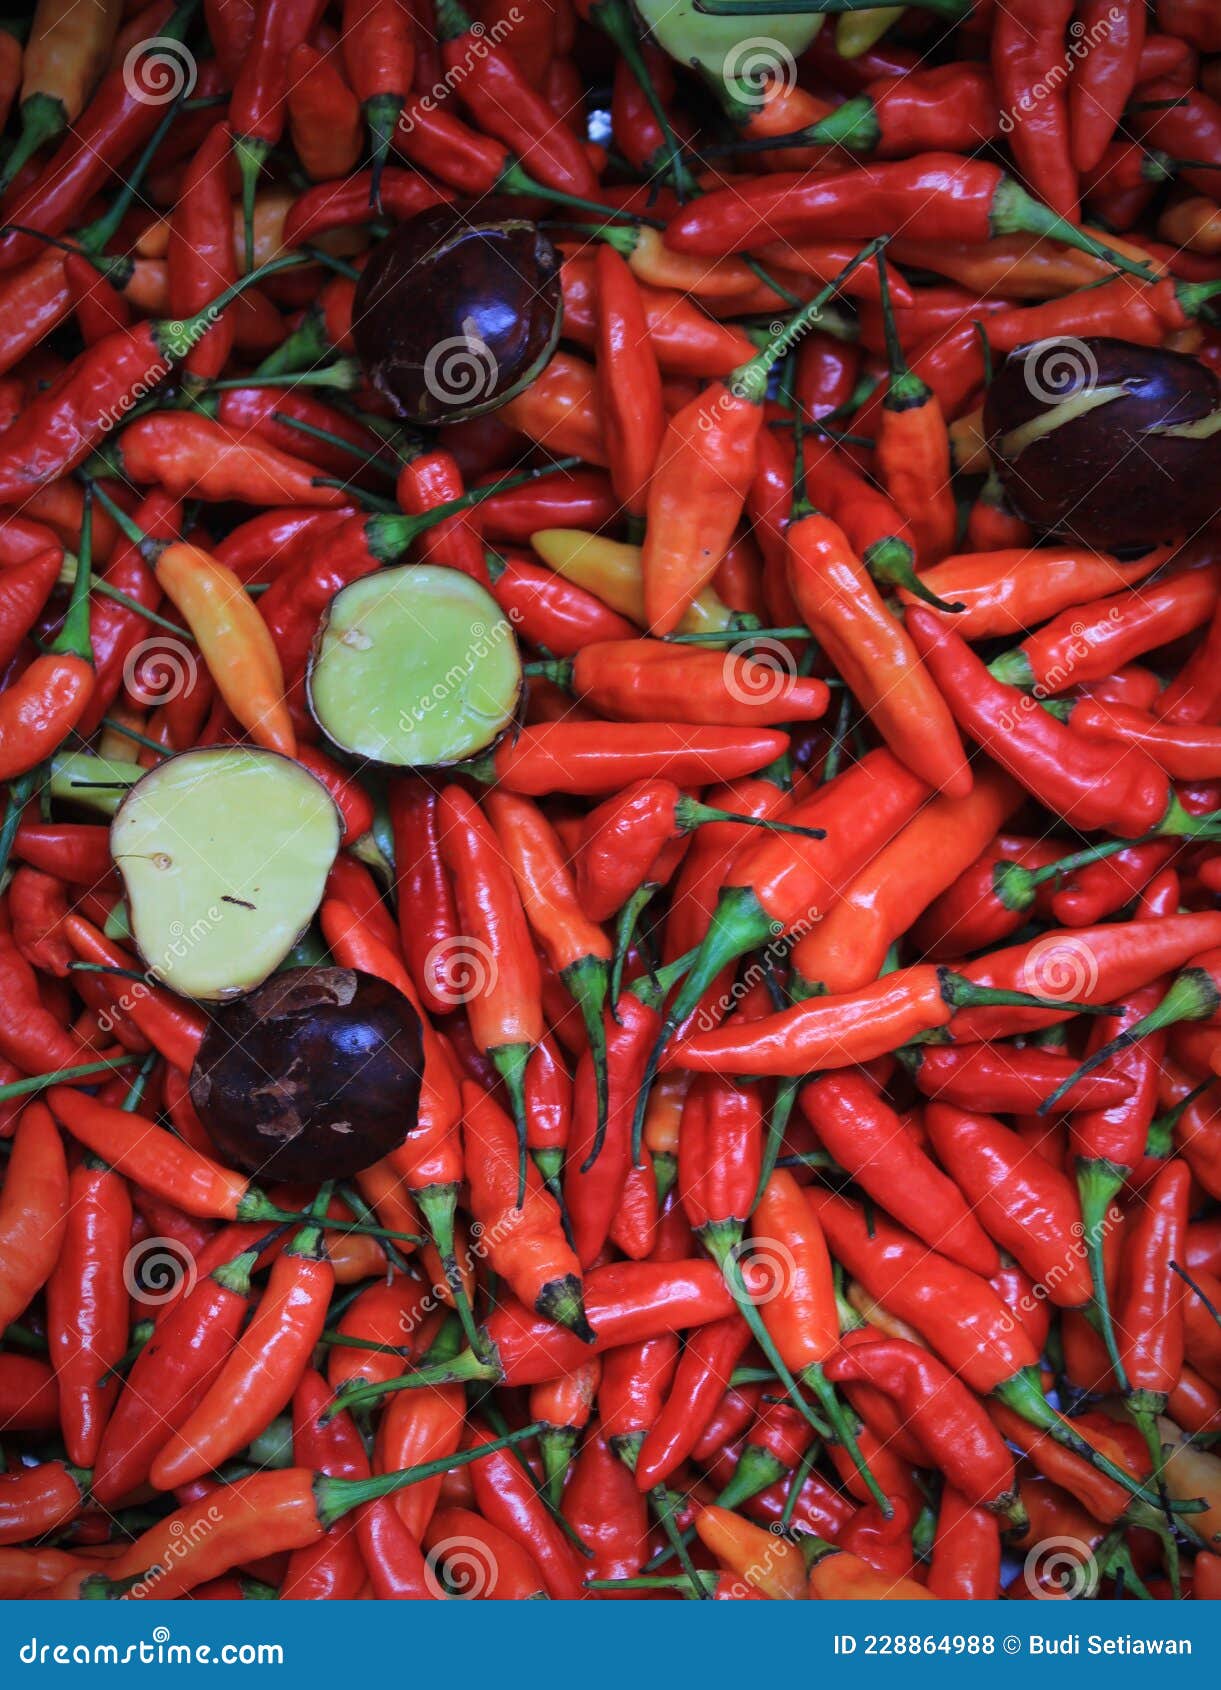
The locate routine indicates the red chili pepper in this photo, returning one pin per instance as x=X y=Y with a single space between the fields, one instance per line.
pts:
x=704 y=471
x=939 y=1409
x=913 y=450
x=1029 y=42
x=421 y=1426
x=428 y=921
x=264 y=1514
x=25 y=588
x=525 y=1239
x=628 y=381
x=41 y=1499
x=256 y=107
x=379 y=57
x=936 y=196
x=546 y=610
x=966 y=1562
x=495 y=92
x=324 y=115
x=1149 y=1310
x=607 y=1511
x=154 y=1158
x=117 y=121
x=333 y=1569
x=1004 y=591
x=868 y=1140
x=486 y=1562
x=33 y=1213
x=293 y=422
x=1185 y=124
x=798 y=1322
x=504 y=1006
x=1030 y=1208
x=192 y=455
x=29 y=1399
x=41 y=708
x=437 y=140
x=506 y=1497
x=169 y=1023
x=1093 y=641
x=1086 y=781
x=575 y=946
x=598 y=758
x=1186 y=751
x=99 y=307
x=838 y=1032
x=258 y=1379
x=201 y=257
x=230 y=30
x=1118 y=958
x=116 y=628
x=952 y=107
x=393 y=1316
x=635 y=1380
x=342 y=205
x=651 y=680
x=563 y=1407
x=579 y=498
x=87 y=1300
x=848 y=947
x=781 y=886
x=840 y=603
x=953 y=1310
x=351 y=800
x=1002 y=1078
x=1194 y=695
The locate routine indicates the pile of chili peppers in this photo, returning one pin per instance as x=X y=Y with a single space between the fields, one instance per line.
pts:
x=848 y=1055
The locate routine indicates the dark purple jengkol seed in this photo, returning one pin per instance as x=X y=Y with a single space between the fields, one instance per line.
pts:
x=313 y=1076
x=457 y=311
x=1114 y=445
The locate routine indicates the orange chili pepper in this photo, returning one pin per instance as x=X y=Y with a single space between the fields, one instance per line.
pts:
x=234 y=640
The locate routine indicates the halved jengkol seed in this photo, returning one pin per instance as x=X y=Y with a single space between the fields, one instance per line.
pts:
x=457 y=310
x=414 y=667
x=224 y=853
x=313 y=1077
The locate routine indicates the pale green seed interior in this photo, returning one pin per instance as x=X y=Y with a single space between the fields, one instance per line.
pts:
x=415 y=667
x=224 y=853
